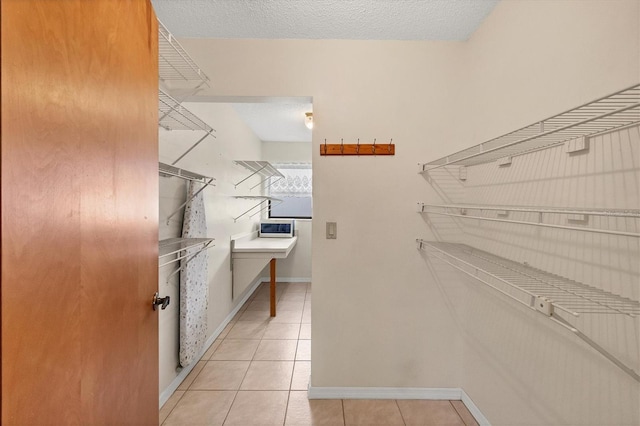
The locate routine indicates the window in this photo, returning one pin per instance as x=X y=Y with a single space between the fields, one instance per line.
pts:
x=294 y=190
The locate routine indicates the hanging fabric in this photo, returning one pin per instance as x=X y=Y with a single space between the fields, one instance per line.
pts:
x=194 y=288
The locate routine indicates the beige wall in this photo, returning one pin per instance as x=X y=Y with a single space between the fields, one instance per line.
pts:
x=213 y=157
x=383 y=315
x=528 y=61
x=286 y=152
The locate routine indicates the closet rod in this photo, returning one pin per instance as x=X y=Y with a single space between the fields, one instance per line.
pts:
x=572 y=228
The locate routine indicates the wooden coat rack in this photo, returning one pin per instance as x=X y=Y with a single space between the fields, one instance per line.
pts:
x=357 y=148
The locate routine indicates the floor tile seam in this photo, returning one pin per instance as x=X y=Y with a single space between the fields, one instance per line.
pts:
x=458 y=413
x=217 y=360
x=286 y=407
x=237 y=391
x=174 y=407
x=230 y=406
x=196 y=376
x=294 y=363
x=400 y=411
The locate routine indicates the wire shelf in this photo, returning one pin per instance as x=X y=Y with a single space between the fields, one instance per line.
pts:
x=551 y=210
x=611 y=112
x=173 y=116
x=167 y=170
x=179 y=246
x=175 y=64
x=567 y=295
x=462 y=211
x=264 y=169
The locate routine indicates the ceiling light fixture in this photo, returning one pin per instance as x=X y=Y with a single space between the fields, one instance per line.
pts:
x=308 y=120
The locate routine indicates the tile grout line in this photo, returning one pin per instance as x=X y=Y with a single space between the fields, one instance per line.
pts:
x=230 y=405
x=251 y=361
x=241 y=381
x=286 y=410
x=458 y=413
x=174 y=407
x=400 y=411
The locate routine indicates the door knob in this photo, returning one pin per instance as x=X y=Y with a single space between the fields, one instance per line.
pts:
x=163 y=302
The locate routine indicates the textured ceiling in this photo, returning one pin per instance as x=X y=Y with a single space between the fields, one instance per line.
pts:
x=316 y=19
x=324 y=19
x=276 y=122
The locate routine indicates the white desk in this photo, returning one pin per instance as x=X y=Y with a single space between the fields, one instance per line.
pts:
x=269 y=249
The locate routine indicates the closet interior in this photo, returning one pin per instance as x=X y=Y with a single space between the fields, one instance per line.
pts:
x=539 y=215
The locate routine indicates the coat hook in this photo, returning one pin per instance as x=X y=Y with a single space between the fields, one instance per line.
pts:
x=358 y=147
x=373 y=147
x=389 y=147
x=325 y=147
x=341 y=146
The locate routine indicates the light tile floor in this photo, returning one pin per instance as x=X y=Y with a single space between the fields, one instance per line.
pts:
x=257 y=373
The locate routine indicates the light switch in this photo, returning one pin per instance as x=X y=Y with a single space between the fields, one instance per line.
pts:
x=332 y=230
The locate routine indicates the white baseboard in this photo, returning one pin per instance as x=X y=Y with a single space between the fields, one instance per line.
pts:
x=399 y=393
x=474 y=410
x=288 y=279
x=184 y=372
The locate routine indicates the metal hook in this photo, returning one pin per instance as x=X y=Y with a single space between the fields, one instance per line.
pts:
x=325 y=146
x=389 y=147
x=373 y=147
x=358 y=147
x=341 y=146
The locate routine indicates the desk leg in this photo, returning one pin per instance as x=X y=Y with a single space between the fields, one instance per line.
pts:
x=272 y=293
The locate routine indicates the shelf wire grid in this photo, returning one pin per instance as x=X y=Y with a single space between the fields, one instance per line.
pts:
x=570 y=296
x=632 y=213
x=614 y=111
x=175 y=64
x=173 y=116
x=167 y=170
x=461 y=211
x=261 y=168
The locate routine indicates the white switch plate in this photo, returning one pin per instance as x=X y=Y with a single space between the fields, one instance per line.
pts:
x=332 y=230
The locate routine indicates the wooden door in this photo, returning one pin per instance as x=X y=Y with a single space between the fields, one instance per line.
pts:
x=79 y=182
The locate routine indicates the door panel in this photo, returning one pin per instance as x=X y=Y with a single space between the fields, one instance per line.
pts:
x=79 y=212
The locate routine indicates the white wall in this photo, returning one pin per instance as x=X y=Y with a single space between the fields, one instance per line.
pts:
x=528 y=61
x=286 y=152
x=213 y=157
x=383 y=314
x=297 y=266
